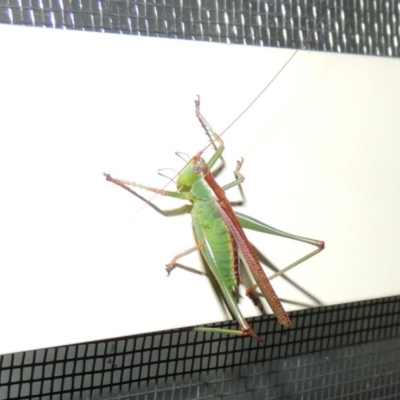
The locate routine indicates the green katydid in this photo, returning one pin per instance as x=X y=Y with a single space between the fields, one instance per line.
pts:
x=219 y=232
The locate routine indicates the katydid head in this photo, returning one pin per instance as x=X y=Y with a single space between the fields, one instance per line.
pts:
x=193 y=171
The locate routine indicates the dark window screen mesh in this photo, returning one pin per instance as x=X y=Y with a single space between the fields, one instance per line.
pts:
x=362 y=27
x=339 y=352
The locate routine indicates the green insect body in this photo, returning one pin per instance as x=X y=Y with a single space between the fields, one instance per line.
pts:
x=219 y=248
x=219 y=233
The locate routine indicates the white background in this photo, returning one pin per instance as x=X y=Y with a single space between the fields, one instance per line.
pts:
x=82 y=260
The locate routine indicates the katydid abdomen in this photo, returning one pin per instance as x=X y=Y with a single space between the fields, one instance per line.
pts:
x=208 y=189
x=218 y=242
x=219 y=249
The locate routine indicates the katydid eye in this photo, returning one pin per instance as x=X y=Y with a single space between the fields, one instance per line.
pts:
x=197 y=169
x=199 y=166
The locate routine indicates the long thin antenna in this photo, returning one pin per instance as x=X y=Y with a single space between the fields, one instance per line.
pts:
x=308 y=37
x=307 y=40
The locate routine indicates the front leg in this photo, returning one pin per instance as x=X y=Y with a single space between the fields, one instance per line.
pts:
x=127 y=185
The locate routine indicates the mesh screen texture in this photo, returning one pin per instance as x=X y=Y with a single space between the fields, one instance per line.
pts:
x=339 y=352
x=359 y=27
